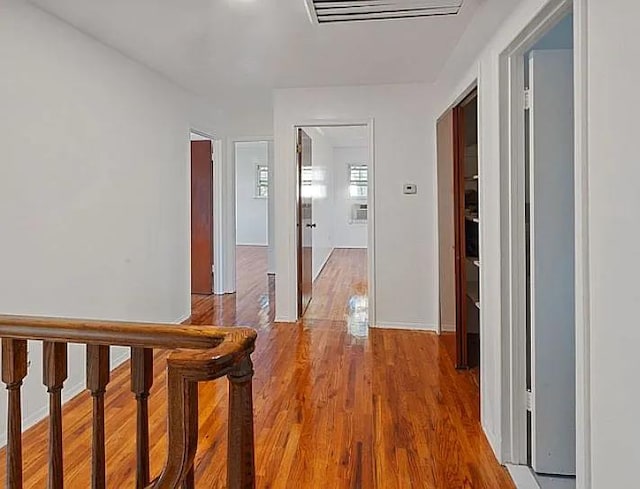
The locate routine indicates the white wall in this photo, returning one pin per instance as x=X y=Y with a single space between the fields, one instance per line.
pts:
x=251 y=211
x=614 y=254
x=346 y=233
x=323 y=198
x=405 y=231
x=94 y=186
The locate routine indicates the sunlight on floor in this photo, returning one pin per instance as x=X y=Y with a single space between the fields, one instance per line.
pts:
x=358 y=316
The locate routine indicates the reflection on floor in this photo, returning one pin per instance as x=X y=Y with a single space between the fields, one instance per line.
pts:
x=387 y=411
x=251 y=304
x=340 y=292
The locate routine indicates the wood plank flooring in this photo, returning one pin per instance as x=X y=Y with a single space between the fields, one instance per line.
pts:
x=377 y=409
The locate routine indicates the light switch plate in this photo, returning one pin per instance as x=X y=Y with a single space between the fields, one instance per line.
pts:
x=410 y=189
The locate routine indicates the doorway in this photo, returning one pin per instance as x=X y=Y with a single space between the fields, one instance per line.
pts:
x=540 y=223
x=550 y=252
x=202 y=266
x=334 y=223
x=252 y=163
x=459 y=223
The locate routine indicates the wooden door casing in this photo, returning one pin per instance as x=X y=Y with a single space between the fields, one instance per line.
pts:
x=201 y=217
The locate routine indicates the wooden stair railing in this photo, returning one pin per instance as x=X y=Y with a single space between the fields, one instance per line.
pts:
x=199 y=354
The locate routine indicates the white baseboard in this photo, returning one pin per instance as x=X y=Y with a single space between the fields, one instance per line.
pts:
x=407 y=326
x=448 y=328
x=324 y=264
x=182 y=319
x=522 y=476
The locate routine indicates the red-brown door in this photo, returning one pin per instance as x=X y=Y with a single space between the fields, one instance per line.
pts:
x=305 y=223
x=201 y=217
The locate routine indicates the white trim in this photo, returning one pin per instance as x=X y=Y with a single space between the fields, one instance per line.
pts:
x=512 y=189
x=583 y=307
x=447 y=328
x=219 y=229
x=227 y=207
x=292 y=272
x=522 y=476
x=255 y=245
x=429 y=328
x=324 y=264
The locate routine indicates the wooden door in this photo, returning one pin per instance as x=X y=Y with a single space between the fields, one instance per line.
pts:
x=201 y=217
x=305 y=223
x=552 y=252
x=446 y=223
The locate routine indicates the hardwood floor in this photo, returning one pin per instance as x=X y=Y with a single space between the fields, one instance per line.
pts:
x=334 y=409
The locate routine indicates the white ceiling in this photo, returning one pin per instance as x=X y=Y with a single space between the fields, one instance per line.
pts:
x=214 y=47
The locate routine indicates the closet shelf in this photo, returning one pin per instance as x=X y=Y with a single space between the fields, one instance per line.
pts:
x=475 y=260
x=472 y=217
x=473 y=292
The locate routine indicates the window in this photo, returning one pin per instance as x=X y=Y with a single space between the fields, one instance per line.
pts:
x=262 y=181
x=358 y=181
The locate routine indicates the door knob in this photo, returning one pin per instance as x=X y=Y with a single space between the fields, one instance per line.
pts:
x=311 y=225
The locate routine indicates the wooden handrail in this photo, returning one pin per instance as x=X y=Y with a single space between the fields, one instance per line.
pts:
x=119 y=333
x=199 y=354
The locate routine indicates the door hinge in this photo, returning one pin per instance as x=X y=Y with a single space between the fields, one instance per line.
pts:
x=529 y=401
x=299 y=148
x=527 y=99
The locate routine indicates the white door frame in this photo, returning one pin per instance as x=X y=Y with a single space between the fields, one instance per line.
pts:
x=225 y=194
x=369 y=124
x=513 y=235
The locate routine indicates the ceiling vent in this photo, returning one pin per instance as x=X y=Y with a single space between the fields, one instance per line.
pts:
x=332 y=11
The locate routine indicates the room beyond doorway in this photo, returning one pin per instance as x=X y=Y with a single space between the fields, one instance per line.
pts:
x=252 y=165
x=334 y=223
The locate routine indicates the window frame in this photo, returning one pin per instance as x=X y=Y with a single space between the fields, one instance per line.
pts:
x=358 y=183
x=261 y=184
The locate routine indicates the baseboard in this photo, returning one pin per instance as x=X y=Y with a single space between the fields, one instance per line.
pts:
x=280 y=319
x=522 y=476
x=324 y=264
x=448 y=328
x=407 y=326
x=183 y=319
x=495 y=442
x=259 y=245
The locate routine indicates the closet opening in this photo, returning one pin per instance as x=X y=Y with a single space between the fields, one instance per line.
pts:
x=538 y=216
x=459 y=224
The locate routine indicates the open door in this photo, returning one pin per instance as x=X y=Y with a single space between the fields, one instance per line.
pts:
x=552 y=252
x=467 y=233
x=446 y=223
x=305 y=223
x=201 y=217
